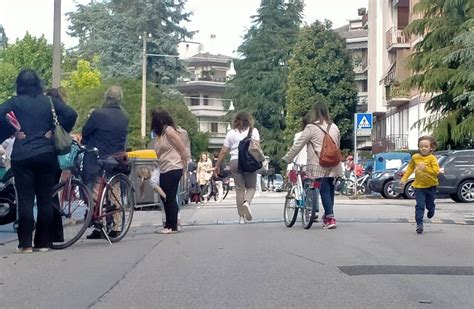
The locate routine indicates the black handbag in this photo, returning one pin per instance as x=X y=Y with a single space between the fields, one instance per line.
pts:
x=62 y=139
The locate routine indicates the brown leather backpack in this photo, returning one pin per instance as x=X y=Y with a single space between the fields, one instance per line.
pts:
x=330 y=155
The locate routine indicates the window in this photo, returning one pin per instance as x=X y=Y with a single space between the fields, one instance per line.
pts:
x=214 y=127
x=206 y=100
x=464 y=160
x=364 y=86
x=195 y=101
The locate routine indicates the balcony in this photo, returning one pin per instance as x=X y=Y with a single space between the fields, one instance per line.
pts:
x=396 y=38
x=396 y=95
x=392 y=142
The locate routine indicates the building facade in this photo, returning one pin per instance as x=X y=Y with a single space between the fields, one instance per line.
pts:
x=396 y=109
x=203 y=90
x=356 y=35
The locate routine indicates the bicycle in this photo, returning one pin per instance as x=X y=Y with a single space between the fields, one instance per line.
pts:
x=111 y=211
x=303 y=195
x=209 y=190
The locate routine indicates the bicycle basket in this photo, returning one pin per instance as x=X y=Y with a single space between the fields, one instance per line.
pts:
x=66 y=161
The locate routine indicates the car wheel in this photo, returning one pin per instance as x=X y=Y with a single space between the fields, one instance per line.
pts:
x=466 y=191
x=454 y=197
x=409 y=191
x=388 y=192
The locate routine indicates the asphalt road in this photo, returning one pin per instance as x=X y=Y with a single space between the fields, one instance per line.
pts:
x=373 y=259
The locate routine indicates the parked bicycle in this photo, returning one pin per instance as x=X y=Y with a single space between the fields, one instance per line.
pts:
x=112 y=211
x=347 y=186
x=302 y=196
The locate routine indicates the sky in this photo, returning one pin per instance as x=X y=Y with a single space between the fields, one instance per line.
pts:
x=226 y=19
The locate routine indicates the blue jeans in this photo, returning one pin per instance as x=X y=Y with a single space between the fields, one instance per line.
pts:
x=424 y=199
x=327 y=196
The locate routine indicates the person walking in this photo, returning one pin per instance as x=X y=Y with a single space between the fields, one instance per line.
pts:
x=34 y=161
x=313 y=136
x=426 y=169
x=172 y=160
x=245 y=182
x=204 y=171
x=106 y=129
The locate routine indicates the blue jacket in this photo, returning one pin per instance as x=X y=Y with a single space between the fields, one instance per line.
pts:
x=36 y=118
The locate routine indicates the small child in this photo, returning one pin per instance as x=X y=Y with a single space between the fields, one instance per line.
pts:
x=426 y=169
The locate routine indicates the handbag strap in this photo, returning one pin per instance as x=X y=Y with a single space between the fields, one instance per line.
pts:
x=250 y=132
x=53 y=110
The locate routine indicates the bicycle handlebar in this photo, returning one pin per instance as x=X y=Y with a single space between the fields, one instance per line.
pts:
x=82 y=148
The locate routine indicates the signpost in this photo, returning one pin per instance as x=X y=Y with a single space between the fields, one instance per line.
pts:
x=362 y=127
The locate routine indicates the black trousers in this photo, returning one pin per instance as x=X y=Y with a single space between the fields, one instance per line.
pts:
x=169 y=182
x=35 y=176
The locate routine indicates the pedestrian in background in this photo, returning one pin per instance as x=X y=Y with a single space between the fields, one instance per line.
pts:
x=34 y=161
x=245 y=182
x=313 y=136
x=204 y=170
x=172 y=160
x=426 y=169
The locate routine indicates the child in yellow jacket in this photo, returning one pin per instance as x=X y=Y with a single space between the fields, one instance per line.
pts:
x=426 y=167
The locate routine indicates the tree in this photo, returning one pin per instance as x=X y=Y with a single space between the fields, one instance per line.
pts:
x=84 y=76
x=260 y=84
x=27 y=53
x=111 y=30
x=321 y=70
x=443 y=66
x=92 y=97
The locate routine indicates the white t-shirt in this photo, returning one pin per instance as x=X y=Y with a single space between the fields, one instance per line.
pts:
x=301 y=157
x=233 y=139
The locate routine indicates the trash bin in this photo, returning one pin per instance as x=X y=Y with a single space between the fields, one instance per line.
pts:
x=144 y=162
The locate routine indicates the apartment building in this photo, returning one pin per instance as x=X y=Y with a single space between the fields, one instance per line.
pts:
x=396 y=110
x=356 y=35
x=204 y=89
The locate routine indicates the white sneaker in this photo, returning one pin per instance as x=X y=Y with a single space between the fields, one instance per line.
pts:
x=246 y=211
x=241 y=220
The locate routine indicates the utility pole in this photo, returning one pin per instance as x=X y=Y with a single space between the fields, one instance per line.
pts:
x=57 y=44
x=143 y=109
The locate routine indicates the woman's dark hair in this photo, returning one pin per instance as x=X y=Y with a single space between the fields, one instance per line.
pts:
x=160 y=118
x=321 y=112
x=243 y=121
x=29 y=83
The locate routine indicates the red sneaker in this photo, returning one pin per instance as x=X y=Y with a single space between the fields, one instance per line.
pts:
x=331 y=224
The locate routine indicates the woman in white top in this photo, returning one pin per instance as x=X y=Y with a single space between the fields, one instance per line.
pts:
x=245 y=182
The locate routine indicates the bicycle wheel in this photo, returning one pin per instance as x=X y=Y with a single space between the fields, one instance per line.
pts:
x=310 y=206
x=205 y=192
x=117 y=206
x=348 y=187
x=290 y=210
x=73 y=202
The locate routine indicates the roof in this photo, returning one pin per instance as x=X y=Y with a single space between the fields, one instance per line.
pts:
x=207 y=57
x=345 y=33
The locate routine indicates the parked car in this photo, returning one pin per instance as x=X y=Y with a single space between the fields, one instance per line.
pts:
x=278 y=183
x=456 y=177
x=382 y=182
x=406 y=190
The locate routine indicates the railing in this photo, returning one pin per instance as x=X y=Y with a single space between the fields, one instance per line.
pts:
x=395 y=36
x=395 y=90
x=390 y=143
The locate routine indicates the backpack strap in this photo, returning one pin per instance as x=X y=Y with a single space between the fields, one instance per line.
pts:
x=249 y=135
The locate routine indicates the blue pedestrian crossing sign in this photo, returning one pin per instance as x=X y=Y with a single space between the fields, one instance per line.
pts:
x=364 y=121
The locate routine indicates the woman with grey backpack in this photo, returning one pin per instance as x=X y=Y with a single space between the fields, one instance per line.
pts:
x=245 y=181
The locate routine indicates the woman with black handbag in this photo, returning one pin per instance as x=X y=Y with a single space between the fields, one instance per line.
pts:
x=245 y=181
x=34 y=160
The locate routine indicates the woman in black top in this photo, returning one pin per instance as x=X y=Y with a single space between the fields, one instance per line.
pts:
x=34 y=161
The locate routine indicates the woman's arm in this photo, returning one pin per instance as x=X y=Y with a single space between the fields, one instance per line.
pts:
x=298 y=145
x=67 y=116
x=224 y=151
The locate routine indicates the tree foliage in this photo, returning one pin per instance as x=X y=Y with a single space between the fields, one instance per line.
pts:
x=321 y=70
x=83 y=77
x=27 y=53
x=260 y=84
x=443 y=64
x=111 y=29
x=92 y=97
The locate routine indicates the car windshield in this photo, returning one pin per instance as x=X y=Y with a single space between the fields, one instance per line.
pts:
x=442 y=159
x=403 y=167
x=278 y=177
